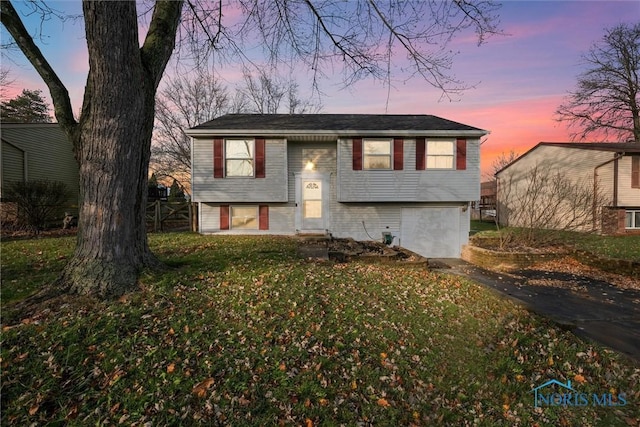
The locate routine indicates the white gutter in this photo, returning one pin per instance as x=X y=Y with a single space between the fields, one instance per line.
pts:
x=332 y=133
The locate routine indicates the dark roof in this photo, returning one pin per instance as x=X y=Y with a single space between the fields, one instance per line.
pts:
x=333 y=122
x=627 y=147
x=614 y=147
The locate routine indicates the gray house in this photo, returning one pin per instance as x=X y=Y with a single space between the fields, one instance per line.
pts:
x=37 y=151
x=358 y=176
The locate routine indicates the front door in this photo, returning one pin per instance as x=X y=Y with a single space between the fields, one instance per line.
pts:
x=312 y=203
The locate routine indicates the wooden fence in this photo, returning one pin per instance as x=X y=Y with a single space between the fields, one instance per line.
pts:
x=162 y=214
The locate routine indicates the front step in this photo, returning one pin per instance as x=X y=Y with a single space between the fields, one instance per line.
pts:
x=314 y=245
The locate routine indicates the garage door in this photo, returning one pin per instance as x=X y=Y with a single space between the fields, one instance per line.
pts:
x=431 y=232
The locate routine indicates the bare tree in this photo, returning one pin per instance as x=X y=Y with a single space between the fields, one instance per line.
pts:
x=503 y=160
x=268 y=93
x=5 y=81
x=605 y=102
x=112 y=137
x=184 y=102
x=539 y=199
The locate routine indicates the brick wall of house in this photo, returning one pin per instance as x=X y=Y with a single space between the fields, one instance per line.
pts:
x=613 y=222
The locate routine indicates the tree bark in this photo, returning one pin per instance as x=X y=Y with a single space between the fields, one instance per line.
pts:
x=114 y=145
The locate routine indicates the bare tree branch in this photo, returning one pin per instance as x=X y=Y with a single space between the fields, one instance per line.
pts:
x=605 y=102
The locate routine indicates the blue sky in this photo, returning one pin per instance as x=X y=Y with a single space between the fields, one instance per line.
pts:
x=520 y=78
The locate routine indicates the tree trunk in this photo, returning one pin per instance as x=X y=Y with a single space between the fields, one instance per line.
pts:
x=113 y=151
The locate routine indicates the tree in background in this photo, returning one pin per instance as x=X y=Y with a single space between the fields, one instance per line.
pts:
x=112 y=137
x=184 y=102
x=176 y=194
x=5 y=82
x=187 y=101
x=268 y=93
x=605 y=102
x=28 y=107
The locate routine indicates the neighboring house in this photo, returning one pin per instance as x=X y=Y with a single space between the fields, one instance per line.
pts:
x=347 y=175
x=609 y=171
x=37 y=151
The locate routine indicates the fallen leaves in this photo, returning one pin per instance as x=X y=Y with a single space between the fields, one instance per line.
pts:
x=248 y=335
x=200 y=389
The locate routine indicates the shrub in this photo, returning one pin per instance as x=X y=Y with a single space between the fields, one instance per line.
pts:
x=37 y=201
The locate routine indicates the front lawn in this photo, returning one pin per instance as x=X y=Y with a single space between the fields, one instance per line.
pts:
x=241 y=332
x=617 y=247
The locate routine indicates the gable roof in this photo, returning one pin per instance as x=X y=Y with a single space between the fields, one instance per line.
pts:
x=614 y=147
x=335 y=124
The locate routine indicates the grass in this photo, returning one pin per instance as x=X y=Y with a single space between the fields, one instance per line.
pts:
x=618 y=247
x=241 y=332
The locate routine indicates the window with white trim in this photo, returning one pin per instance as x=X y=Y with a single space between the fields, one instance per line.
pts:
x=632 y=219
x=440 y=154
x=239 y=157
x=244 y=217
x=376 y=153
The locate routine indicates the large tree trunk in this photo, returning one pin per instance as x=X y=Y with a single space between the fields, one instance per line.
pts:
x=113 y=150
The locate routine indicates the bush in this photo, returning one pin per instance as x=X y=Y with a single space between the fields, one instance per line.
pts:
x=37 y=201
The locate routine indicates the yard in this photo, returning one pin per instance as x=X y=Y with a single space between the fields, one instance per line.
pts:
x=240 y=331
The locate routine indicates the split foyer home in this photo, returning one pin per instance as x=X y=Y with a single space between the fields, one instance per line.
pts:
x=409 y=178
x=610 y=171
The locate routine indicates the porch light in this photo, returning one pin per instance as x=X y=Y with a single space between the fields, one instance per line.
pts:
x=310 y=166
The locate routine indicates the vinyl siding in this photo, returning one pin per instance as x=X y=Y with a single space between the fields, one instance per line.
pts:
x=12 y=164
x=281 y=219
x=49 y=155
x=409 y=184
x=272 y=188
x=627 y=196
x=578 y=165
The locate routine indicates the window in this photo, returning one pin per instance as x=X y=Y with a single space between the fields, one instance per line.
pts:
x=632 y=219
x=244 y=217
x=377 y=154
x=440 y=154
x=239 y=157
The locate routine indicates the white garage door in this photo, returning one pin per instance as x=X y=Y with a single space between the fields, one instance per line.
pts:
x=431 y=232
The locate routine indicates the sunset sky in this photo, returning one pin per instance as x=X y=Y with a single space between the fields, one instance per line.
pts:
x=520 y=78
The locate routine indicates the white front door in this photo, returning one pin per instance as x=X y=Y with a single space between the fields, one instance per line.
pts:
x=312 y=203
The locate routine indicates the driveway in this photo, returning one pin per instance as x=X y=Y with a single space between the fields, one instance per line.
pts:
x=591 y=307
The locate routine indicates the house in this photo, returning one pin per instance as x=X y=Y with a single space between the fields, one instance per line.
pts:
x=604 y=179
x=411 y=177
x=37 y=151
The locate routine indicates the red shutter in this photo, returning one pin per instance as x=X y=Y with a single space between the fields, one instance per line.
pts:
x=263 y=217
x=218 y=169
x=224 y=217
x=357 y=154
x=398 y=154
x=420 y=154
x=635 y=171
x=260 y=157
x=461 y=154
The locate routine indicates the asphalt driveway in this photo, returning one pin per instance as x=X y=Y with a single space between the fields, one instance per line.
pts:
x=590 y=307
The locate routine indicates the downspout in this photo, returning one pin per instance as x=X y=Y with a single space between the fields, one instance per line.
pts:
x=615 y=158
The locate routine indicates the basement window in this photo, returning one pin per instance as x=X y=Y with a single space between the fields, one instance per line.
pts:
x=632 y=219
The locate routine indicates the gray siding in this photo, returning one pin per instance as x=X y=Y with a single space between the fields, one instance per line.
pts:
x=409 y=184
x=206 y=188
x=281 y=219
x=48 y=153
x=12 y=164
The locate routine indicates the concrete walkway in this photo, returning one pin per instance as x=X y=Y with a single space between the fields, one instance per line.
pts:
x=602 y=312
